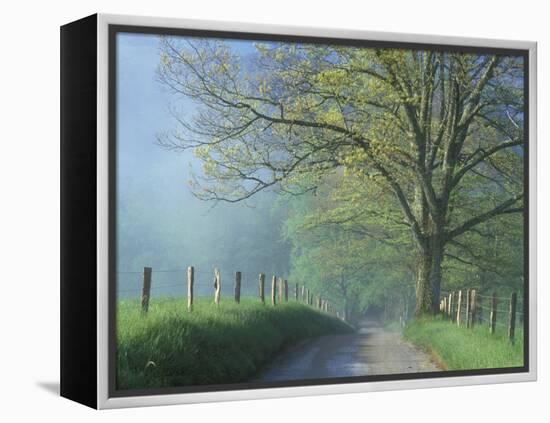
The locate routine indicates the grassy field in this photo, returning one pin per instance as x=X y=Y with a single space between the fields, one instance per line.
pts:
x=458 y=348
x=211 y=345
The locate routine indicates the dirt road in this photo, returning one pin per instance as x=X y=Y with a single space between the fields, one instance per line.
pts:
x=370 y=351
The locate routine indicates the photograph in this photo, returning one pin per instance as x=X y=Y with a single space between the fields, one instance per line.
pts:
x=226 y=211
x=293 y=210
x=231 y=211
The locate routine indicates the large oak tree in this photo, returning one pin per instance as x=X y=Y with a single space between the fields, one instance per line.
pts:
x=440 y=133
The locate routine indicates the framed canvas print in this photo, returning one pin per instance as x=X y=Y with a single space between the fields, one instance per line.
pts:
x=254 y=211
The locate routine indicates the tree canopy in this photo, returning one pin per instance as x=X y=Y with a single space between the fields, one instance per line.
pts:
x=417 y=151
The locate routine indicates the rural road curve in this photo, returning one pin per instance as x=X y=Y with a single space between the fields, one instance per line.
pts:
x=370 y=351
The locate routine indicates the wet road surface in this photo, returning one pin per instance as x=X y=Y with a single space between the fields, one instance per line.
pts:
x=369 y=351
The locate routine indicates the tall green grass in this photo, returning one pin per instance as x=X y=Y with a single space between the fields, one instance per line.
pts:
x=458 y=348
x=212 y=345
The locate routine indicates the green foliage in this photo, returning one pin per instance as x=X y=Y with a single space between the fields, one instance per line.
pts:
x=459 y=348
x=418 y=151
x=345 y=249
x=211 y=345
x=491 y=258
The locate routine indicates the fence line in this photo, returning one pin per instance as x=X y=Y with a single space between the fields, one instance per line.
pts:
x=279 y=289
x=464 y=307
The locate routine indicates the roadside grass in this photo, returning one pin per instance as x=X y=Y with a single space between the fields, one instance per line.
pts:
x=458 y=348
x=212 y=345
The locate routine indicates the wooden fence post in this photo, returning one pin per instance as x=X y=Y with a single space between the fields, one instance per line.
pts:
x=451 y=306
x=296 y=292
x=286 y=290
x=190 y=282
x=473 y=308
x=512 y=320
x=303 y=294
x=262 y=288
x=468 y=294
x=238 y=277
x=146 y=289
x=493 y=318
x=281 y=287
x=458 y=307
x=479 y=310
x=453 y=312
x=274 y=290
x=217 y=286
x=444 y=307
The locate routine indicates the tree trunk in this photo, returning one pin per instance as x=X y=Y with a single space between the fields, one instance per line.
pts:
x=345 y=311
x=428 y=276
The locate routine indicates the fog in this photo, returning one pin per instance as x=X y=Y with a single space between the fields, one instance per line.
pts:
x=160 y=223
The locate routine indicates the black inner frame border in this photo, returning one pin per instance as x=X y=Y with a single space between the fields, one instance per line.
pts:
x=114 y=29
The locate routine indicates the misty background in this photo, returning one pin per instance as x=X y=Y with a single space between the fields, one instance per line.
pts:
x=160 y=223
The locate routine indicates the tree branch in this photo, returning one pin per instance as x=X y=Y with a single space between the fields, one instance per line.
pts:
x=502 y=208
x=409 y=215
x=460 y=174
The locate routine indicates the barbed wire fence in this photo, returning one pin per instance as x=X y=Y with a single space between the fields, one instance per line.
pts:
x=192 y=283
x=468 y=308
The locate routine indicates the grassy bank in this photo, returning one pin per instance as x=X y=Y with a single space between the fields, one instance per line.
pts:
x=458 y=348
x=211 y=345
